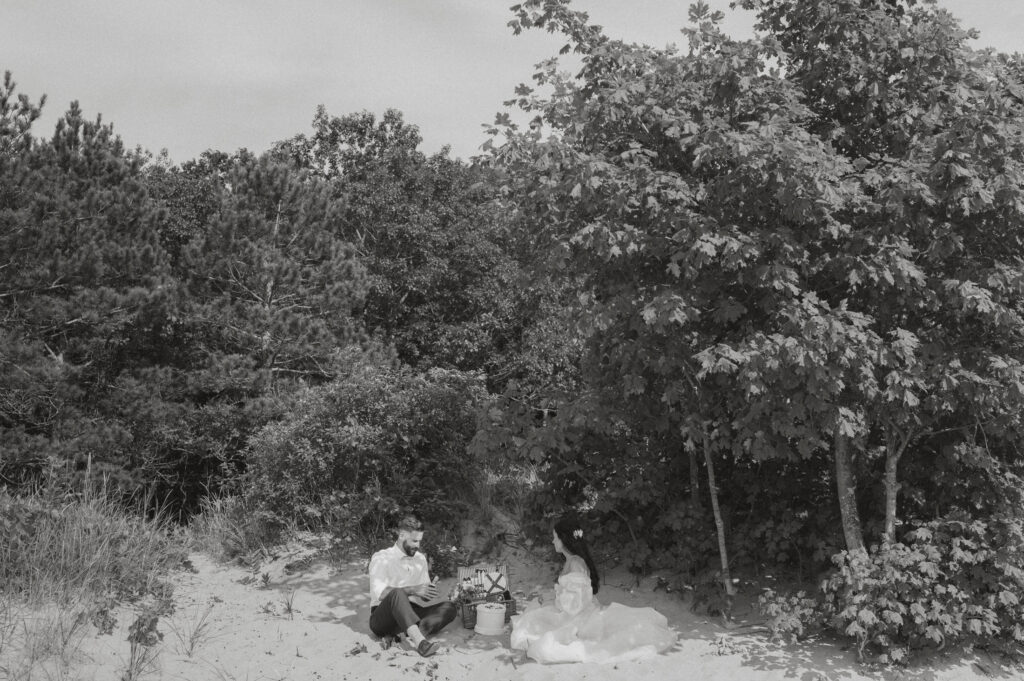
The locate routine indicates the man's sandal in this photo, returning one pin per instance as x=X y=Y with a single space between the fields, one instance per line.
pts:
x=427 y=648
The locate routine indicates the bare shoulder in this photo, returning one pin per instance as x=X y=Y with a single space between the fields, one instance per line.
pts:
x=575 y=564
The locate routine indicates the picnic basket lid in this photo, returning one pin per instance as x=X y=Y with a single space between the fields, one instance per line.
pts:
x=468 y=571
x=471 y=571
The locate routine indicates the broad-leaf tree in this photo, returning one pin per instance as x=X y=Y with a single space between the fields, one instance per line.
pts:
x=773 y=270
x=933 y=255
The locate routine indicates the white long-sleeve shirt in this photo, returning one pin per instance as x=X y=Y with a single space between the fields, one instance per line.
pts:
x=392 y=567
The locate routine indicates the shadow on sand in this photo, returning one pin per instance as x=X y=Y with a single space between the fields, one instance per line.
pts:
x=820 y=660
x=343 y=590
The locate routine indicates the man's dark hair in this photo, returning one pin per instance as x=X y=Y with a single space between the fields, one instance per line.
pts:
x=410 y=523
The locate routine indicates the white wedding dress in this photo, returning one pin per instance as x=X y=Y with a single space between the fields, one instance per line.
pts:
x=577 y=628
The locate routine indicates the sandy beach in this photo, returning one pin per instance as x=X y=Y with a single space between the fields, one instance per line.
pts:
x=302 y=617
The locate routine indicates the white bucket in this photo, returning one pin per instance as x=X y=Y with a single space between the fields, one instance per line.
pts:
x=490 y=619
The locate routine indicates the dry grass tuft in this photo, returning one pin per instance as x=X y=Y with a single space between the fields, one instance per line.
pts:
x=43 y=642
x=67 y=559
x=229 y=528
x=193 y=632
x=64 y=548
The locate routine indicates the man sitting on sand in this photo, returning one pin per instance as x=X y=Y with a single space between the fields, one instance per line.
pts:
x=401 y=589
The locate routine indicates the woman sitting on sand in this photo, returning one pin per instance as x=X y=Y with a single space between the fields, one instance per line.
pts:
x=576 y=627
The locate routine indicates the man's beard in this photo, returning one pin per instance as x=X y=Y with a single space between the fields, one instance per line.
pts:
x=409 y=551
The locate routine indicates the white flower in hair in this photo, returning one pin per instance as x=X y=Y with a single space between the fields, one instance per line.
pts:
x=578 y=534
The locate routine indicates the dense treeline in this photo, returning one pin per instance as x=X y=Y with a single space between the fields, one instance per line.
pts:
x=157 y=317
x=748 y=305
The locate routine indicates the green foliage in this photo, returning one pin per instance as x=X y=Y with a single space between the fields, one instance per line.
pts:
x=441 y=276
x=82 y=271
x=790 y=617
x=812 y=262
x=155 y=317
x=791 y=525
x=634 y=198
x=953 y=580
x=378 y=439
x=443 y=552
x=794 y=262
x=271 y=282
x=17 y=113
x=628 y=483
x=266 y=291
x=190 y=195
x=142 y=637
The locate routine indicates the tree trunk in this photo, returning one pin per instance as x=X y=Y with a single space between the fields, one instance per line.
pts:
x=694 y=481
x=730 y=590
x=847 y=491
x=893 y=452
x=892 y=488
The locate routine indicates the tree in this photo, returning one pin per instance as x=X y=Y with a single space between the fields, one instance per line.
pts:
x=190 y=195
x=636 y=192
x=83 y=272
x=270 y=279
x=431 y=233
x=264 y=299
x=780 y=280
x=933 y=129
x=155 y=316
x=378 y=438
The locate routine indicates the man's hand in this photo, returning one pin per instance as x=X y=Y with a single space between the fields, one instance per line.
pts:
x=424 y=592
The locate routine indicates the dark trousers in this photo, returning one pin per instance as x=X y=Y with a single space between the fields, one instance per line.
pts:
x=396 y=613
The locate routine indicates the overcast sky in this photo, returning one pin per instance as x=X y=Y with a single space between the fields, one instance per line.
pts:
x=190 y=75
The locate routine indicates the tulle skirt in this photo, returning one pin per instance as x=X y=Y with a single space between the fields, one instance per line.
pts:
x=596 y=633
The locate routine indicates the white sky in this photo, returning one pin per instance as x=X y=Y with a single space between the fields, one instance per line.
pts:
x=190 y=75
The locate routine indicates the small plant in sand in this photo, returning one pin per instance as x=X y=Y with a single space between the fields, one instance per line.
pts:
x=102 y=615
x=193 y=632
x=288 y=600
x=69 y=628
x=142 y=637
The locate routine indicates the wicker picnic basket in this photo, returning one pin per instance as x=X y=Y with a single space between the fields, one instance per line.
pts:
x=467 y=609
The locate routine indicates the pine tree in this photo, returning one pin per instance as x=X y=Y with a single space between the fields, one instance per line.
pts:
x=83 y=271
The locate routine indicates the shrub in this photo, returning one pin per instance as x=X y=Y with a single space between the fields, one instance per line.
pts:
x=443 y=553
x=377 y=441
x=790 y=616
x=952 y=580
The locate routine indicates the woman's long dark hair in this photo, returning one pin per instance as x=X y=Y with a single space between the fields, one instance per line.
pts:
x=571 y=535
